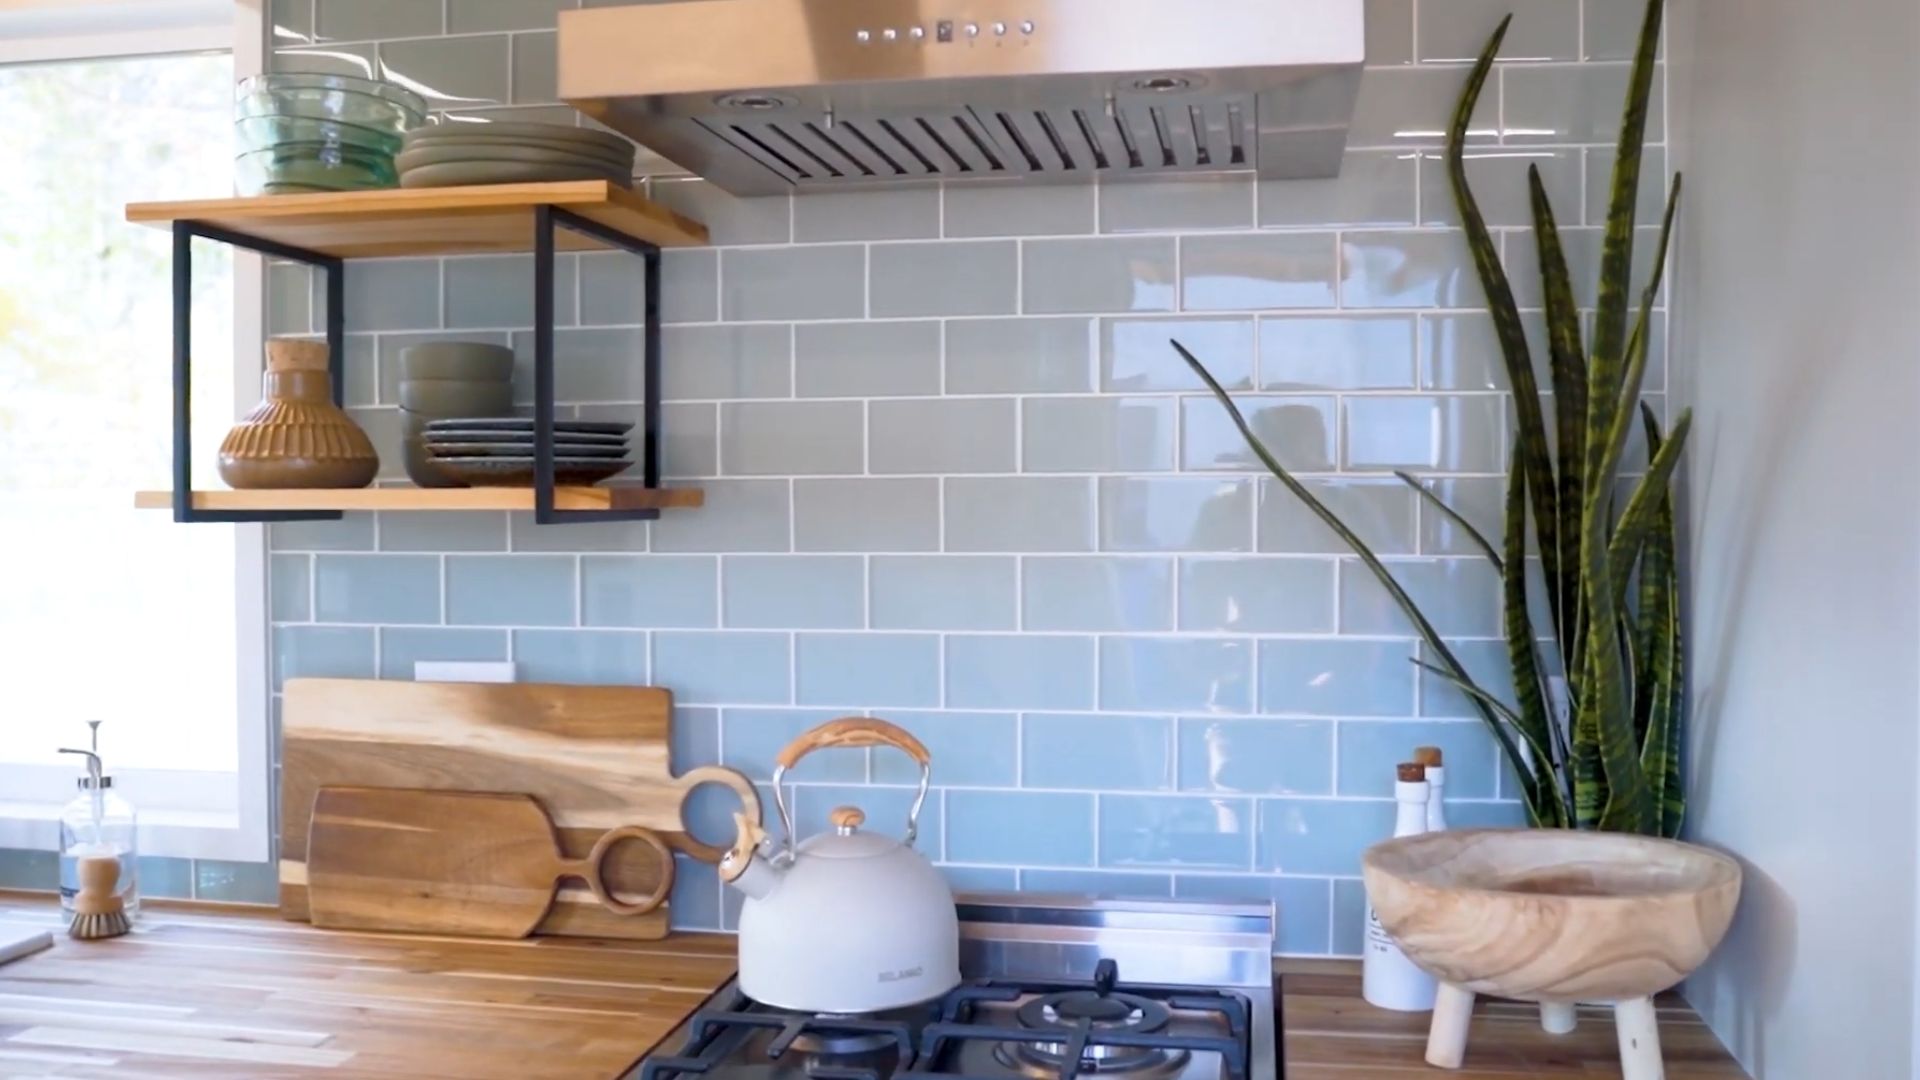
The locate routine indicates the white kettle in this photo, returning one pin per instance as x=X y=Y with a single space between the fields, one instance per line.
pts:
x=847 y=921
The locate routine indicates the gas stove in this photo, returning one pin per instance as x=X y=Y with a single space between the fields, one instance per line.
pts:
x=1055 y=988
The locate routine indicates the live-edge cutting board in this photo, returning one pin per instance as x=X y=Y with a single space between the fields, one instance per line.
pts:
x=595 y=757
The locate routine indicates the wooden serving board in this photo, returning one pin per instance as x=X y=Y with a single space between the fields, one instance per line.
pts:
x=595 y=757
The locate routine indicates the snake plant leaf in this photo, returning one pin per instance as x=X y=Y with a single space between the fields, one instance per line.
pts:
x=1605 y=717
x=1635 y=369
x=1479 y=539
x=1425 y=629
x=1506 y=322
x=1543 y=804
x=1658 y=702
x=1568 y=368
x=1616 y=253
x=1654 y=562
x=1644 y=506
x=1532 y=716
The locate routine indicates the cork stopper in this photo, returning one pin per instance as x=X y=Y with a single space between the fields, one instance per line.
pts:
x=1412 y=772
x=294 y=354
x=1428 y=756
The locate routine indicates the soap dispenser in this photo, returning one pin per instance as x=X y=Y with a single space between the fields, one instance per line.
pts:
x=98 y=823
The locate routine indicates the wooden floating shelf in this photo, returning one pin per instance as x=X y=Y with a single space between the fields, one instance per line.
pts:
x=612 y=497
x=488 y=218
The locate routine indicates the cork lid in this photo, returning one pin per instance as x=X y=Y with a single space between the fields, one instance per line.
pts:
x=1427 y=755
x=295 y=354
x=1412 y=772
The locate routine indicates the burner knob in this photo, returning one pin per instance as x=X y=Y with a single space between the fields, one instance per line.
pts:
x=1105 y=974
x=846 y=819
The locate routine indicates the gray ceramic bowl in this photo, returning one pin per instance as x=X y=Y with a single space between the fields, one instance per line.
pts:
x=470 y=361
x=436 y=398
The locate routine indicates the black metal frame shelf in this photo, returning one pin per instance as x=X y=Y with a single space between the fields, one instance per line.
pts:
x=546 y=218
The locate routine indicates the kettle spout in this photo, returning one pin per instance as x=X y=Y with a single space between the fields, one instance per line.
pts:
x=748 y=865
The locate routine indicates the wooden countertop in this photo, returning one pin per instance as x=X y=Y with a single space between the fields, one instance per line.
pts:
x=216 y=992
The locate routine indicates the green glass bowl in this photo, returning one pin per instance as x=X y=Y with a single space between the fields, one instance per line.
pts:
x=312 y=167
x=266 y=132
x=367 y=103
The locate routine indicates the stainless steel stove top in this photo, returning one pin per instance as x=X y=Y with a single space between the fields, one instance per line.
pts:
x=1055 y=988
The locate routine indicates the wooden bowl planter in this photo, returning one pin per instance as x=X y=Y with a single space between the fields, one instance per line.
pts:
x=1554 y=916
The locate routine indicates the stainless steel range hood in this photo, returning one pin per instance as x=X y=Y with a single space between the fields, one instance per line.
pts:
x=768 y=96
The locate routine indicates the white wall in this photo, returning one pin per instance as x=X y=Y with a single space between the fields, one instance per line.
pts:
x=1800 y=353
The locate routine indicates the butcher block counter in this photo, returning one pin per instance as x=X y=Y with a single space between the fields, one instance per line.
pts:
x=220 y=992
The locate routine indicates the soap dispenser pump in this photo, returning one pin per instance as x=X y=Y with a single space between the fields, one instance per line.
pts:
x=98 y=823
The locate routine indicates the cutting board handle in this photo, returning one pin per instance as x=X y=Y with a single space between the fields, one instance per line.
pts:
x=590 y=870
x=733 y=781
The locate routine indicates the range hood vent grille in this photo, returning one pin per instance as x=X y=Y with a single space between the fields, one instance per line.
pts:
x=965 y=143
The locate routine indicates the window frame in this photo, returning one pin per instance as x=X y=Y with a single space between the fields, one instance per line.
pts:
x=177 y=816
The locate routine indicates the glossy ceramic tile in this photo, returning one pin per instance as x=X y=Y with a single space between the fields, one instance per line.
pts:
x=289 y=298
x=1298 y=431
x=690 y=445
x=1486 y=664
x=1177 y=203
x=376 y=588
x=1097 y=594
x=1019 y=356
x=1450 y=433
x=1498 y=179
x=1097 y=750
x=1374 y=188
x=788 y=438
x=1412 y=106
x=862 y=215
x=290 y=21
x=622 y=536
x=368 y=20
x=510 y=590
x=236 y=882
x=457 y=72
x=1349 y=916
x=1462 y=352
x=724 y=668
x=951 y=435
x=1380 y=511
x=1038 y=514
x=165 y=877
x=1318 y=352
x=1336 y=677
x=403 y=646
x=981 y=878
x=1176 y=831
x=828 y=282
x=1487 y=815
x=1407 y=270
x=695 y=900
x=1172 y=674
x=352 y=532
x=26 y=869
x=497 y=290
x=1369 y=750
x=970 y=749
x=1114 y=274
x=612 y=285
x=1019 y=208
x=1135 y=354
x=751 y=738
x=290 y=587
x=1613 y=31
x=739 y=515
x=867 y=359
x=535 y=68
x=1128 y=883
x=1479 y=499
x=649 y=590
x=730 y=219
x=969 y=278
x=600 y=364
x=388 y=294
x=1319 y=836
x=793 y=592
x=427 y=531
x=1280 y=270
x=726 y=362
x=1389 y=32
x=355 y=60
x=1457 y=30
x=1256 y=757
x=1027 y=828
x=879 y=514
x=1176 y=514
x=1257 y=595
x=1459 y=596
x=943 y=592
x=479 y=16
x=867 y=670
x=1097 y=434
x=1301 y=903
x=339 y=652
x=588 y=657
x=1013 y=671
x=1580 y=103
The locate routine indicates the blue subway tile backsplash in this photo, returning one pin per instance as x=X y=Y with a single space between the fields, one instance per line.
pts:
x=955 y=476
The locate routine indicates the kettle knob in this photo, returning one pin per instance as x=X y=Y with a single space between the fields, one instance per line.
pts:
x=846 y=819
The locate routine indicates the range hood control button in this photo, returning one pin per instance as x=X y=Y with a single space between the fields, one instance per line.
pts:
x=1026 y=27
x=917 y=33
x=862 y=36
x=889 y=34
x=973 y=29
x=999 y=29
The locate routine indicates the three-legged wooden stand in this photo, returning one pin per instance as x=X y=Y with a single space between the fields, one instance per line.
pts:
x=1639 y=1031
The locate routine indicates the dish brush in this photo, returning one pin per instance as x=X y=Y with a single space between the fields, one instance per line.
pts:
x=98 y=912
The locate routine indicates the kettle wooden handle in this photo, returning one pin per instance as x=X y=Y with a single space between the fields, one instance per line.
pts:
x=853 y=731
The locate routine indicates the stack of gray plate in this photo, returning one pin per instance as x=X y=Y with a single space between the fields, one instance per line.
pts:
x=498 y=451
x=454 y=154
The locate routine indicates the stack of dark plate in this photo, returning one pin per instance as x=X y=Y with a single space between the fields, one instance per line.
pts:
x=455 y=154
x=496 y=451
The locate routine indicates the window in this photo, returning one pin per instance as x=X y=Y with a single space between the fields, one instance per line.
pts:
x=107 y=613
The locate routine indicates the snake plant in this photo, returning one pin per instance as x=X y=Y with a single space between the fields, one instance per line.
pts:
x=1605 y=754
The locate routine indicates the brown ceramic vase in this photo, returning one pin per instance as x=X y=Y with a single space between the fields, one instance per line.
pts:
x=297 y=437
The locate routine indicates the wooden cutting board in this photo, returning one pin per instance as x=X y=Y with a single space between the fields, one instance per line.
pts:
x=595 y=757
x=450 y=862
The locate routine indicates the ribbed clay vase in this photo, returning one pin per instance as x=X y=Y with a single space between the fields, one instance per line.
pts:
x=297 y=437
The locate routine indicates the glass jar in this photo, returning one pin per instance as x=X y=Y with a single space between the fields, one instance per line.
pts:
x=98 y=822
